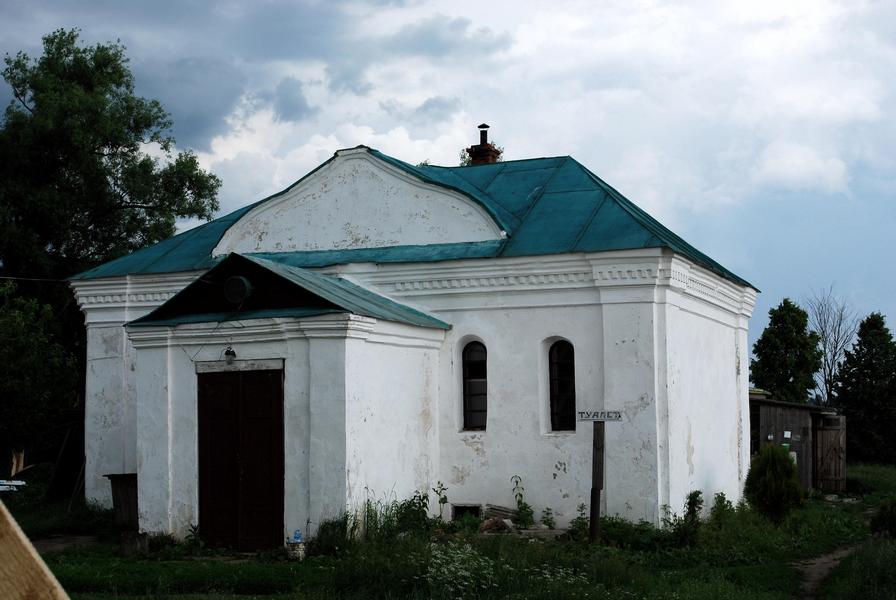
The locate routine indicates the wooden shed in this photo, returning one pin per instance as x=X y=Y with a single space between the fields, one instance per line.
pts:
x=814 y=435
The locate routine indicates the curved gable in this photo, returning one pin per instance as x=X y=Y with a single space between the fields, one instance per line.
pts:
x=358 y=201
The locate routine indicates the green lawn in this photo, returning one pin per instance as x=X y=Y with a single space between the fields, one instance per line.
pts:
x=736 y=554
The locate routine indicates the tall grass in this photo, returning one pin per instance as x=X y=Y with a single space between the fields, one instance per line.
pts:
x=869 y=573
x=394 y=549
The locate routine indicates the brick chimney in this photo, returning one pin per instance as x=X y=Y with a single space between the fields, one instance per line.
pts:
x=483 y=153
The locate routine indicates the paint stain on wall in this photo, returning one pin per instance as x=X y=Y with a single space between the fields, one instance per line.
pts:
x=459 y=474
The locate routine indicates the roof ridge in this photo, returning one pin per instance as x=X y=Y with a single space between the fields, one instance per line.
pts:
x=661 y=231
x=503 y=162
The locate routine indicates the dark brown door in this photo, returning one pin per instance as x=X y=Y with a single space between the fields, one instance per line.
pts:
x=241 y=459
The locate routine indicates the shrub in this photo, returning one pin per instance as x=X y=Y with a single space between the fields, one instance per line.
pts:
x=639 y=537
x=412 y=515
x=547 y=518
x=772 y=486
x=722 y=510
x=884 y=522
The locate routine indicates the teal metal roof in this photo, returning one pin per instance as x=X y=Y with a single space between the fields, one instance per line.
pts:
x=545 y=205
x=200 y=302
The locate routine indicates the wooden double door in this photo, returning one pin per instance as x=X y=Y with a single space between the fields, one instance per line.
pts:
x=241 y=459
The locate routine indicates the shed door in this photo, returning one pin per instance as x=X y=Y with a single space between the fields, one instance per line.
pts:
x=830 y=453
x=241 y=459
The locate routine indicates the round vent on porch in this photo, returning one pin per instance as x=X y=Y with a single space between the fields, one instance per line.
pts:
x=237 y=289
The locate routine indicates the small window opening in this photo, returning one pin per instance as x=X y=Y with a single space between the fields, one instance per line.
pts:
x=561 y=357
x=458 y=511
x=475 y=384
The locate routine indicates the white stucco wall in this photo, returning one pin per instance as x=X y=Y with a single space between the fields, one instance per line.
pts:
x=108 y=426
x=391 y=420
x=358 y=201
x=709 y=416
x=337 y=406
x=382 y=405
x=110 y=395
x=555 y=467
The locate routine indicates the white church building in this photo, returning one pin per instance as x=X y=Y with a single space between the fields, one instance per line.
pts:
x=379 y=327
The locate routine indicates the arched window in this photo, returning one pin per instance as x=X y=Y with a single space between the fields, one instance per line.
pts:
x=563 y=386
x=475 y=386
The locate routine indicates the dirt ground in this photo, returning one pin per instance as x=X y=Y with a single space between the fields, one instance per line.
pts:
x=815 y=570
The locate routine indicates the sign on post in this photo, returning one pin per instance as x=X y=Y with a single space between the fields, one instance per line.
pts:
x=598 y=417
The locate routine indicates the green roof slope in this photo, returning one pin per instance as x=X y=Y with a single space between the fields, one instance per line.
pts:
x=200 y=301
x=545 y=205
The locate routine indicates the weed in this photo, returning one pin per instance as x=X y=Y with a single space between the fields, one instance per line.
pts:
x=466 y=523
x=193 y=542
x=684 y=529
x=580 y=525
x=412 y=515
x=441 y=496
x=547 y=518
x=333 y=536
x=525 y=516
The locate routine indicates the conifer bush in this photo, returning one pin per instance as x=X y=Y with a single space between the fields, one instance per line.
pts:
x=772 y=487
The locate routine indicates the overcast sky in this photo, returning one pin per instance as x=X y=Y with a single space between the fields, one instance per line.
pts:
x=763 y=132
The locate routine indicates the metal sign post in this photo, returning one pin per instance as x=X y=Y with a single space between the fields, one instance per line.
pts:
x=598 y=417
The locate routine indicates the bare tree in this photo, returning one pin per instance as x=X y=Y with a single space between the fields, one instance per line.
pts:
x=835 y=322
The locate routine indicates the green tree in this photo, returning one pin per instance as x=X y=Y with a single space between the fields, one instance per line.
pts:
x=37 y=378
x=866 y=392
x=787 y=354
x=78 y=184
x=88 y=172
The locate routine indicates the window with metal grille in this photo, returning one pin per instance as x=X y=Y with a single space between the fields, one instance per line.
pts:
x=475 y=386
x=563 y=386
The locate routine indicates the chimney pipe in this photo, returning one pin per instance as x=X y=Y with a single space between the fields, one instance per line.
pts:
x=483 y=134
x=484 y=152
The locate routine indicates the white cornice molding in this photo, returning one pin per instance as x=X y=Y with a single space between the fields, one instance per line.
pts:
x=605 y=270
x=109 y=300
x=419 y=284
x=340 y=326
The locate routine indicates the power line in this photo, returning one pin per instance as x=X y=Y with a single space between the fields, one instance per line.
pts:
x=33 y=279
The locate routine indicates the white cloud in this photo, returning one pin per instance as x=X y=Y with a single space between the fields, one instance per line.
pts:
x=685 y=107
x=796 y=166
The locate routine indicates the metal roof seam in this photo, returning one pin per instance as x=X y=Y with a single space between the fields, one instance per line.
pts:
x=599 y=205
x=543 y=187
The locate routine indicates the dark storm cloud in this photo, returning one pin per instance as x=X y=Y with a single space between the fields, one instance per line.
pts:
x=199 y=92
x=289 y=101
x=201 y=59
